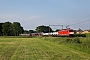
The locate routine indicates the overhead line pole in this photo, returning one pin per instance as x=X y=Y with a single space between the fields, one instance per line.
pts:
x=55 y=25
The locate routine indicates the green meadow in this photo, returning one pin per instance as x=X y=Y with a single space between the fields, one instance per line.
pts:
x=44 y=48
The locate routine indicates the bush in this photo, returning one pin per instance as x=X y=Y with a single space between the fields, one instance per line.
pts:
x=77 y=40
x=80 y=35
x=69 y=40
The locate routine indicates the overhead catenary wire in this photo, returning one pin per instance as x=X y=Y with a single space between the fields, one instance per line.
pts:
x=80 y=21
x=57 y=25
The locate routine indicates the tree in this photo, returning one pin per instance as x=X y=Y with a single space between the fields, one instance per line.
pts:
x=1 y=33
x=32 y=31
x=16 y=28
x=44 y=29
x=26 y=32
x=57 y=30
x=6 y=28
x=75 y=31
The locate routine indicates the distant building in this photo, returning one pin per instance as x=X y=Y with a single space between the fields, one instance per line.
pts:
x=82 y=32
x=85 y=31
x=79 y=31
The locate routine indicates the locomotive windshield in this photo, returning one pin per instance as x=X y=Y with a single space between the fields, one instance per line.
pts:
x=70 y=30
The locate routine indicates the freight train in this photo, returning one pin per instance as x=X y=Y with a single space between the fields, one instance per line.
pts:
x=64 y=32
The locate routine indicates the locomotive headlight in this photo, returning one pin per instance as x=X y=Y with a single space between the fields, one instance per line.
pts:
x=71 y=33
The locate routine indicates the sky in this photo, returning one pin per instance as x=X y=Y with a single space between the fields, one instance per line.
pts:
x=33 y=13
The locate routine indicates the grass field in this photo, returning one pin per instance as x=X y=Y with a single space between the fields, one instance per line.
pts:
x=37 y=49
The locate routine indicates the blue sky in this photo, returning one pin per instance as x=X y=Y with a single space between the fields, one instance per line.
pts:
x=33 y=13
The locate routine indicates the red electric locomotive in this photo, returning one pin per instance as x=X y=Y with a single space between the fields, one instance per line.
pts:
x=66 y=32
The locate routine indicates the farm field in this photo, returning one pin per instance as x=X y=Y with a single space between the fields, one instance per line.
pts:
x=37 y=49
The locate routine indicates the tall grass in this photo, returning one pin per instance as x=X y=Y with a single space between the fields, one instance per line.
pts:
x=39 y=49
x=78 y=43
x=15 y=37
x=8 y=47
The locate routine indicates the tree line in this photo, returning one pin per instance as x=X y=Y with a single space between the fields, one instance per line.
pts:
x=11 y=29
x=39 y=29
x=15 y=28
